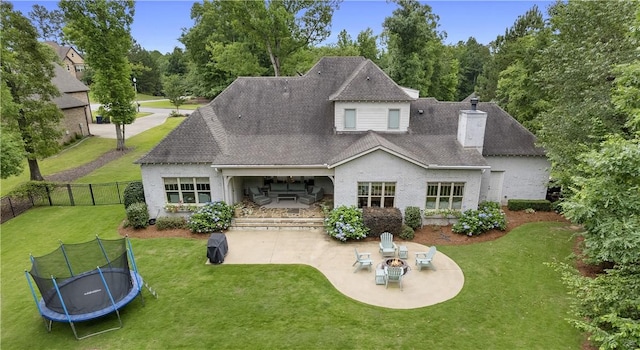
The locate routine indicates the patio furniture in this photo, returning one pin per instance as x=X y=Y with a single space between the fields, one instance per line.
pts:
x=257 y=197
x=403 y=252
x=286 y=196
x=393 y=275
x=387 y=247
x=379 y=276
x=424 y=259
x=314 y=195
x=363 y=260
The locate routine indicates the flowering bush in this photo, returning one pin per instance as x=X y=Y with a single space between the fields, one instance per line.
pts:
x=487 y=217
x=178 y=207
x=345 y=223
x=211 y=217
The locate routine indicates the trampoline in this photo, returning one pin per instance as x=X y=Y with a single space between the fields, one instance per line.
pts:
x=85 y=281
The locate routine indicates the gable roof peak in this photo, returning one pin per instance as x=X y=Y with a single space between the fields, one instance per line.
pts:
x=369 y=83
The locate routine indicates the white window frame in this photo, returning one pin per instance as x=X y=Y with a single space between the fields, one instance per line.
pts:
x=396 y=119
x=348 y=117
x=444 y=195
x=376 y=192
x=188 y=190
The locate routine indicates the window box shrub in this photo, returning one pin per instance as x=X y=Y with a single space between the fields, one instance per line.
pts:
x=211 y=217
x=345 y=223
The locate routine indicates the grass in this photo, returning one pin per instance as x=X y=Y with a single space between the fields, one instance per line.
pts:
x=139 y=97
x=510 y=300
x=169 y=105
x=123 y=168
x=73 y=156
x=90 y=149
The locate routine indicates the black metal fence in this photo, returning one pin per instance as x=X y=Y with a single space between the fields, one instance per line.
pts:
x=65 y=194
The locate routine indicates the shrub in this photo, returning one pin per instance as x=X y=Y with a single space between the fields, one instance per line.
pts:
x=133 y=193
x=379 y=220
x=345 y=223
x=212 y=217
x=137 y=215
x=412 y=218
x=171 y=222
x=475 y=222
x=522 y=204
x=407 y=233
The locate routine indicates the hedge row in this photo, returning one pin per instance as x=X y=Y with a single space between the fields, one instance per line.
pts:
x=523 y=204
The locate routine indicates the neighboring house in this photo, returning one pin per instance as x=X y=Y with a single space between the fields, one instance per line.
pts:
x=72 y=60
x=345 y=126
x=74 y=103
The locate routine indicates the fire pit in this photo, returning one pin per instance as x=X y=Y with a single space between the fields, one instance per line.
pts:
x=395 y=262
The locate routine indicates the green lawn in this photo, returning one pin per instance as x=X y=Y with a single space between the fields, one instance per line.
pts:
x=91 y=148
x=168 y=105
x=139 y=97
x=510 y=299
x=123 y=168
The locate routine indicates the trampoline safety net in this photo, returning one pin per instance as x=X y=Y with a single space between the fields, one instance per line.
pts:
x=74 y=267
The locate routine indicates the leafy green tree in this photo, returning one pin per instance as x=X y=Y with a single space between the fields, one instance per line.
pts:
x=12 y=157
x=175 y=90
x=29 y=117
x=606 y=201
x=146 y=71
x=48 y=23
x=505 y=50
x=280 y=27
x=590 y=41
x=366 y=43
x=102 y=30
x=606 y=307
x=417 y=57
x=471 y=57
x=176 y=62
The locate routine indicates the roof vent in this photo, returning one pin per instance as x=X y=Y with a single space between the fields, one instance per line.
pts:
x=420 y=111
x=474 y=103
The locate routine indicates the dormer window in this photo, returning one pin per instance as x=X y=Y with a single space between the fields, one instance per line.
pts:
x=349 y=118
x=394 y=119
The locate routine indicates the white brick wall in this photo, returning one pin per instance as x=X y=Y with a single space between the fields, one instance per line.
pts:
x=524 y=177
x=411 y=180
x=154 y=186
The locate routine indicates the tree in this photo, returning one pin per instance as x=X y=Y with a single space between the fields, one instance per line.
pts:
x=48 y=23
x=590 y=41
x=471 y=57
x=101 y=29
x=417 y=58
x=30 y=120
x=175 y=90
x=366 y=43
x=281 y=27
x=176 y=62
x=11 y=159
x=505 y=50
x=146 y=71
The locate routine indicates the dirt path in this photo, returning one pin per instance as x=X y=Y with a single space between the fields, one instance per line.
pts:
x=83 y=170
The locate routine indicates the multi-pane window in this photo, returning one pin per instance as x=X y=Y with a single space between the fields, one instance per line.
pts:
x=444 y=195
x=376 y=194
x=349 y=118
x=187 y=189
x=394 y=119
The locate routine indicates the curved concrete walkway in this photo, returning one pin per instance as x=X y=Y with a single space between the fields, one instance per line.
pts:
x=335 y=259
x=158 y=116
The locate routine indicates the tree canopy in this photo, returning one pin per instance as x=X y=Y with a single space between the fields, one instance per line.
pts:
x=102 y=30
x=29 y=117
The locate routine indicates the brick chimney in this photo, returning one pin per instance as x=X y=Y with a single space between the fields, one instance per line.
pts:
x=471 y=125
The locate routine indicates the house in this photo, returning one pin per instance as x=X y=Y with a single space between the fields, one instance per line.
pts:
x=347 y=127
x=72 y=60
x=74 y=104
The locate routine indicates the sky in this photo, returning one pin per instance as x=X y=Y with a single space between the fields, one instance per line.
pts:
x=158 y=24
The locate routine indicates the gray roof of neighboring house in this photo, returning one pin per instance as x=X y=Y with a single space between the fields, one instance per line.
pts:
x=66 y=102
x=66 y=82
x=289 y=121
x=61 y=50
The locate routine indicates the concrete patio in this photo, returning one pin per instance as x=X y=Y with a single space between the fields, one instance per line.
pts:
x=334 y=259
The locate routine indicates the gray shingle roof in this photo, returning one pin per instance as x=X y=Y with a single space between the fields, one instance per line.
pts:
x=66 y=82
x=289 y=121
x=369 y=83
x=65 y=101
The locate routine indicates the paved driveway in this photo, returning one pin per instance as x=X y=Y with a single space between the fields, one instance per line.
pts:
x=158 y=117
